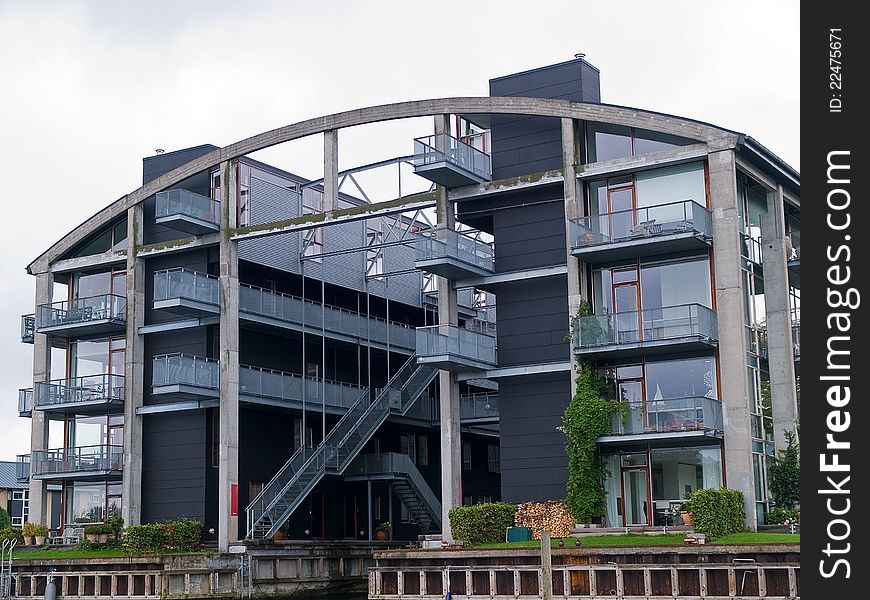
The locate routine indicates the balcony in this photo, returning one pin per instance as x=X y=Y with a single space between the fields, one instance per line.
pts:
x=186 y=292
x=275 y=309
x=25 y=402
x=83 y=316
x=187 y=211
x=662 y=229
x=796 y=341
x=750 y=251
x=22 y=467
x=474 y=409
x=793 y=243
x=455 y=349
x=683 y=328
x=693 y=417
x=185 y=377
x=28 y=325
x=92 y=394
x=456 y=256
x=449 y=162
x=80 y=463
x=276 y=388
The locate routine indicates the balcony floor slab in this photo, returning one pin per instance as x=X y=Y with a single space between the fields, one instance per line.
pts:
x=96 y=327
x=114 y=406
x=187 y=224
x=642 y=246
x=648 y=348
x=447 y=174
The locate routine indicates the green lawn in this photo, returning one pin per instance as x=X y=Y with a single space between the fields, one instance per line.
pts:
x=637 y=539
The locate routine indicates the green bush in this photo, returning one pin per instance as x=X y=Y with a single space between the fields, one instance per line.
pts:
x=5 y=521
x=183 y=535
x=785 y=473
x=716 y=512
x=28 y=529
x=145 y=539
x=11 y=533
x=780 y=516
x=116 y=524
x=482 y=523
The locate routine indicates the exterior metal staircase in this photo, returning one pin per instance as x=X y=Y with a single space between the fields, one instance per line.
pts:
x=306 y=467
x=406 y=480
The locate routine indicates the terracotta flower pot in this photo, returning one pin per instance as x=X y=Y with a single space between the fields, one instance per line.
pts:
x=380 y=535
x=91 y=537
x=103 y=537
x=28 y=540
x=40 y=540
x=687 y=518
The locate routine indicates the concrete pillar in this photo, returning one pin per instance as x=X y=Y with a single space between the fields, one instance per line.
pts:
x=38 y=498
x=448 y=387
x=134 y=371
x=574 y=208
x=730 y=312
x=228 y=464
x=330 y=170
x=780 y=346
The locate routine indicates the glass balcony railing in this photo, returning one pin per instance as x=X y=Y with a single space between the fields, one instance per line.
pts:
x=796 y=339
x=28 y=326
x=455 y=345
x=481 y=406
x=455 y=246
x=82 y=312
x=292 y=309
x=22 y=467
x=651 y=325
x=25 y=402
x=443 y=148
x=178 y=283
x=793 y=245
x=184 y=204
x=82 y=460
x=670 y=415
x=185 y=370
x=95 y=391
x=685 y=216
x=266 y=383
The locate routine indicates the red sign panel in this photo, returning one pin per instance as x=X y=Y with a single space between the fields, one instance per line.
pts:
x=234 y=500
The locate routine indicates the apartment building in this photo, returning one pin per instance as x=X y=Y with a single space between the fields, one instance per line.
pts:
x=234 y=343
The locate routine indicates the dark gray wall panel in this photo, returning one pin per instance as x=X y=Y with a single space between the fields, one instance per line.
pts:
x=532 y=322
x=529 y=237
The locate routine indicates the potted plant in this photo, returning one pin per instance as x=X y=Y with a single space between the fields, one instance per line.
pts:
x=40 y=532
x=92 y=532
x=105 y=532
x=116 y=524
x=29 y=532
x=382 y=531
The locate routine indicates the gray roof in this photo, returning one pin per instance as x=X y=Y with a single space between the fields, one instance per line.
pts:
x=8 y=478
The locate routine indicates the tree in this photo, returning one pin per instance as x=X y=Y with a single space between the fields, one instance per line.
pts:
x=785 y=473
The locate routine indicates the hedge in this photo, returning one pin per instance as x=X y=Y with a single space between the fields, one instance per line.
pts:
x=482 y=523
x=5 y=520
x=183 y=535
x=11 y=533
x=716 y=512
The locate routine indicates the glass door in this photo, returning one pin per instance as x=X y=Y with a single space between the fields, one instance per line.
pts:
x=635 y=485
x=622 y=213
x=631 y=393
x=626 y=303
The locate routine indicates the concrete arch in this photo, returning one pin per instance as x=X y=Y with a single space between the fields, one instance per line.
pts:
x=617 y=115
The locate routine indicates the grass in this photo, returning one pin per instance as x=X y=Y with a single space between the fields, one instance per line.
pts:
x=637 y=539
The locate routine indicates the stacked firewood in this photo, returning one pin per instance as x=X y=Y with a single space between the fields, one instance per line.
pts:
x=552 y=516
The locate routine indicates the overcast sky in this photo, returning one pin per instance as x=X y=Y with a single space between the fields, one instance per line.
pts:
x=89 y=88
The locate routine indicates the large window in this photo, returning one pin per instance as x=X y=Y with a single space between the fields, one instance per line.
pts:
x=92 y=502
x=662 y=284
x=113 y=237
x=607 y=142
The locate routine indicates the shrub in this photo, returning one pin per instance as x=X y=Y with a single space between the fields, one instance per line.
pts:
x=11 y=533
x=116 y=524
x=482 y=523
x=780 y=516
x=785 y=473
x=93 y=529
x=40 y=530
x=5 y=521
x=145 y=539
x=28 y=529
x=183 y=535
x=716 y=512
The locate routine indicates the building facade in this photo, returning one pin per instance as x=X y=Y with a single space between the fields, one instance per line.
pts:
x=236 y=344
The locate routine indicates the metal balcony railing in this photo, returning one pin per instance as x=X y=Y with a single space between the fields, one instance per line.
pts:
x=25 y=402
x=455 y=246
x=793 y=241
x=670 y=415
x=438 y=148
x=28 y=326
x=185 y=369
x=685 y=216
x=651 y=325
x=170 y=284
x=266 y=383
x=22 y=467
x=750 y=248
x=796 y=338
x=81 y=311
x=102 y=389
x=292 y=309
x=478 y=406
x=456 y=343
x=96 y=459
x=185 y=203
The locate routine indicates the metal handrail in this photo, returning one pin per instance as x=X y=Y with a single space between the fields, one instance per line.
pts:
x=184 y=202
x=99 y=457
x=690 y=413
x=28 y=327
x=82 y=310
x=89 y=388
x=25 y=400
x=454 y=244
x=178 y=368
x=185 y=283
x=399 y=464
x=667 y=322
x=659 y=219
x=431 y=149
x=435 y=340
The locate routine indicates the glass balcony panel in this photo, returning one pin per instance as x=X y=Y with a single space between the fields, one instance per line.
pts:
x=97 y=392
x=95 y=313
x=670 y=415
x=99 y=460
x=22 y=467
x=453 y=255
x=172 y=284
x=28 y=325
x=185 y=369
x=651 y=325
x=25 y=402
x=466 y=164
x=187 y=211
x=453 y=345
x=266 y=383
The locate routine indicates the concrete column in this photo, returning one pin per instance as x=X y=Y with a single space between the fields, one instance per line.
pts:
x=574 y=208
x=448 y=387
x=134 y=371
x=730 y=312
x=780 y=346
x=38 y=499
x=228 y=465
x=330 y=170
